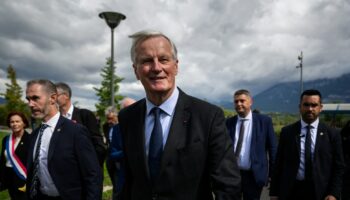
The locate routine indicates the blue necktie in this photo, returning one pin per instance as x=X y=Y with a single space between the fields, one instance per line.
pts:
x=35 y=180
x=156 y=145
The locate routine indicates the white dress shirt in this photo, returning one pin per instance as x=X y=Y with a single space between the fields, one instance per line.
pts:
x=166 y=117
x=69 y=113
x=243 y=160
x=47 y=185
x=303 y=131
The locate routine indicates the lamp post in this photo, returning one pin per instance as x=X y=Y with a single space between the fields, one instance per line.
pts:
x=300 y=58
x=112 y=19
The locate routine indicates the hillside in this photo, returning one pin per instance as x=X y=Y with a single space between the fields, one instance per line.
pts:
x=284 y=97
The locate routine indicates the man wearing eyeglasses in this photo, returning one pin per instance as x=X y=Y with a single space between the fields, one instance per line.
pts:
x=309 y=163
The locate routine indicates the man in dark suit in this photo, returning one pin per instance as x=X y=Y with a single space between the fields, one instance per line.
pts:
x=176 y=147
x=309 y=162
x=116 y=154
x=253 y=138
x=62 y=162
x=81 y=116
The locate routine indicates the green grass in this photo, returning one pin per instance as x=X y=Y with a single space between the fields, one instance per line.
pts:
x=107 y=195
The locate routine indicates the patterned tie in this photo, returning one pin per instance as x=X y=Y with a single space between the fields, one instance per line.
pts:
x=35 y=180
x=156 y=145
x=308 y=160
x=240 y=139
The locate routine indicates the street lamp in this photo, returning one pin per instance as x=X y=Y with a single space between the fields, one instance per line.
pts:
x=300 y=58
x=112 y=19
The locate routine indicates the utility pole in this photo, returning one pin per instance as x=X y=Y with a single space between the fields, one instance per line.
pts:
x=112 y=19
x=300 y=58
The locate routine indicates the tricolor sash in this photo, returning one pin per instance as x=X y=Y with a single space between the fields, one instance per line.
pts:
x=17 y=165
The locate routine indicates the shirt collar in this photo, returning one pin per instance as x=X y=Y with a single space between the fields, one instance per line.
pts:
x=248 y=117
x=53 y=121
x=167 y=106
x=313 y=124
x=69 y=113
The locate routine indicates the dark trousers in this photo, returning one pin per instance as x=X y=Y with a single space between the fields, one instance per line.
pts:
x=113 y=174
x=303 y=190
x=250 y=190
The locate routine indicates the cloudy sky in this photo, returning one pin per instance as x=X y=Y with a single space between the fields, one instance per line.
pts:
x=223 y=45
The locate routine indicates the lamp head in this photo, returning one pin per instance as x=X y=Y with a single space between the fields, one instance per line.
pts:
x=112 y=18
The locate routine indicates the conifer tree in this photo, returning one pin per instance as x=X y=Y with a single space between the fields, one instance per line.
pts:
x=104 y=92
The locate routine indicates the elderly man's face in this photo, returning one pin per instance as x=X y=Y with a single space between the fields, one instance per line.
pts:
x=111 y=119
x=155 y=66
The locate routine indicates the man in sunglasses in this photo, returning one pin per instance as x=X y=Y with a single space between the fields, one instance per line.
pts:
x=309 y=163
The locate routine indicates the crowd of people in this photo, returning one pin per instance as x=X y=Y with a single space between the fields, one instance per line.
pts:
x=170 y=145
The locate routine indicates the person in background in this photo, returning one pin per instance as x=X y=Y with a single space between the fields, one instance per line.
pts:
x=13 y=172
x=62 y=161
x=81 y=116
x=255 y=145
x=309 y=163
x=111 y=165
x=116 y=153
x=345 y=134
x=111 y=120
x=175 y=146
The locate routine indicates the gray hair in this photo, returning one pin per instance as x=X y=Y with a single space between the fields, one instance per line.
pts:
x=49 y=87
x=127 y=101
x=111 y=110
x=65 y=88
x=141 y=36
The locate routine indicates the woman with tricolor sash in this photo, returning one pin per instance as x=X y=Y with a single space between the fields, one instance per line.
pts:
x=13 y=172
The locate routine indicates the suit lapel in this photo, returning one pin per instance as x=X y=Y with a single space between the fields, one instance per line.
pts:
x=297 y=131
x=54 y=138
x=321 y=133
x=254 y=132
x=138 y=117
x=76 y=118
x=178 y=130
x=233 y=128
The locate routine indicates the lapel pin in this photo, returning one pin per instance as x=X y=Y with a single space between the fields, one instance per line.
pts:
x=321 y=133
x=58 y=130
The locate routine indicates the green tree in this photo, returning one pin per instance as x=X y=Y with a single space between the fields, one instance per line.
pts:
x=13 y=95
x=104 y=92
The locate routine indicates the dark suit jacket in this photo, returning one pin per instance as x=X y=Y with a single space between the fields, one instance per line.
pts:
x=88 y=119
x=345 y=133
x=263 y=141
x=21 y=152
x=72 y=162
x=197 y=159
x=328 y=162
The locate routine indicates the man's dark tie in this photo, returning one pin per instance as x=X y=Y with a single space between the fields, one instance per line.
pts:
x=155 y=145
x=308 y=160
x=35 y=180
x=240 y=139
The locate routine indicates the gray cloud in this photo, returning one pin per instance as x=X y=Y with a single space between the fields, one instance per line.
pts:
x=223 y=45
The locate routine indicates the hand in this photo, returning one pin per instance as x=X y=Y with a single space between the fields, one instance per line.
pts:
x=273 y=198
x=330 y=197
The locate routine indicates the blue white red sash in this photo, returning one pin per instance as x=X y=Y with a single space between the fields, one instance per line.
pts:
x=17 y=165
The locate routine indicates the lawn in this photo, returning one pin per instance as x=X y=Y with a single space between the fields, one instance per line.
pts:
x=107 y=195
